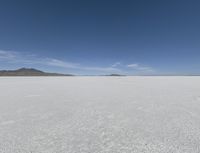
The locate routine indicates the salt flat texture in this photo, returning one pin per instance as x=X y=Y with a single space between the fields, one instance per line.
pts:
x=100 y=115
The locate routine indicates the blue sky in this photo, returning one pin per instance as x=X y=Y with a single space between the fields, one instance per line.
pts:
x=101 y=36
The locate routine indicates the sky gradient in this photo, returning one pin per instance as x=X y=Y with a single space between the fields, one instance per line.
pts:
x=101 y=36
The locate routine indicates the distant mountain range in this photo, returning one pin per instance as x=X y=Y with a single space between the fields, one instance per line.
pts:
x=29 y=72
x=35 y=72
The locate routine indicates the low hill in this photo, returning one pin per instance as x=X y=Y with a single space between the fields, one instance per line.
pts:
x=29 y=72
x=115 y=75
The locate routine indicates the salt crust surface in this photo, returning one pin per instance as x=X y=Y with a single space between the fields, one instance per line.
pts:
x=100 y=114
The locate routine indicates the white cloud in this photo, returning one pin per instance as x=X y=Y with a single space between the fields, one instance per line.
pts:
x=146 y=69
x=135 y=65
x=7 y=55
x=102 y=69
x=64 y=64
x=116 y=64
x=59 y=63
x=30 y=59
x=138 y=67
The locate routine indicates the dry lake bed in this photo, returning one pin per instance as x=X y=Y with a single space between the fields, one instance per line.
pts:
x=100 y=114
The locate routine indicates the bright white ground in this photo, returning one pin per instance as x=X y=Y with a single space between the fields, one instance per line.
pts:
x=100 y=115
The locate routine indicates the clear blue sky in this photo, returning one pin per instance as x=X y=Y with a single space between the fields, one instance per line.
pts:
x=101 y=36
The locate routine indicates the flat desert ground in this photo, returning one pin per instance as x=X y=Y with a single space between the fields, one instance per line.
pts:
x=100 y=114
